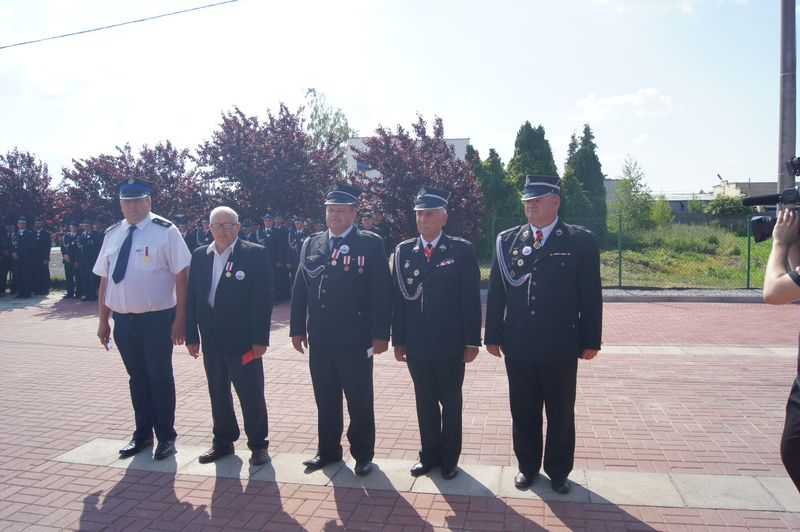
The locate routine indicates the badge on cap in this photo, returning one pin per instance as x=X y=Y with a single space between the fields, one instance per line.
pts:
x=345 y=249
x=527 y=250
x=240 y=275
x=131 y=181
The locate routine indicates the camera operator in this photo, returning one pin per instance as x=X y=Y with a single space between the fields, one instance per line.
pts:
x=781 y=286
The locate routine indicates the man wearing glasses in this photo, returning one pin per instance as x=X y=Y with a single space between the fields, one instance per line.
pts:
x=229 y=310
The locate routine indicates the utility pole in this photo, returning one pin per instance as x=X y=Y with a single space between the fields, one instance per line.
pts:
x=788 y=122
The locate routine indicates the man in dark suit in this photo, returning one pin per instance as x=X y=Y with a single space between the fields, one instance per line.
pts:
x=436 y=327
x=89 y=243
x=282 y=286
x=23 y=252
x=43 y=241
x=544 y=312
x=6 y=261
x=268 y=237
x=229 y=308
x=295 y=237
x=341 y=307
x=69 y=254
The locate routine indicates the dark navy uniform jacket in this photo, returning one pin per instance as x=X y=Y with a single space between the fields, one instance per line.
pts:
x=437 y=303
x=348 y=303
x=24 y=245
x=546 y=304
x=270 y=239
x=69 y=247
x=242 y=310
x=42 y=245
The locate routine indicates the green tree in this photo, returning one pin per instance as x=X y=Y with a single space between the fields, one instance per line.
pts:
x=574 y=202
x=532 y=155
x=695 y=205
x=660 y=212
x=501 y=202
x=632 y=198
x=571 y=149
x=327 y=126
x=727 y=206
x=589 y=172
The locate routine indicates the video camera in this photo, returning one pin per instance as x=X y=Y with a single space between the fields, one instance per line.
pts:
x=762 y=226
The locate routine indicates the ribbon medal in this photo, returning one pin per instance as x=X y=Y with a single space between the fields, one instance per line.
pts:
x=228 y=268
x=335 y=256
x=346 y=261
x=360 y=264
x=147 y=256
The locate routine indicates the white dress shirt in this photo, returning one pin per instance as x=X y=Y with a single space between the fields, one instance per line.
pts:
x=157 y=255
x=220 y=260
x=545 y=230
x=432 y=242
x=331 y=236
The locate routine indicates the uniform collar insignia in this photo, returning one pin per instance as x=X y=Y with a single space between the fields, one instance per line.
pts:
x=559 y=232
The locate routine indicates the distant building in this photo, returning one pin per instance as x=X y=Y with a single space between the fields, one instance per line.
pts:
x=679 y=203
x=745 y=188
x=459 y=146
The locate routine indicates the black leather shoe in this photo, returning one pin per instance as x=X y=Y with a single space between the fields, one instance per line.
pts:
x=363 y=468
x=449 y=472
x=164 y=449
x=317 y=462
x=259 y=457
x=419 y=469
x=523 y=481
x=134 y=447
x=560 y=485
x=214 y=454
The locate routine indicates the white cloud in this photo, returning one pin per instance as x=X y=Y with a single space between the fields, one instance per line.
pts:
x=642 y=139
x=686 y=7
x=644 y=103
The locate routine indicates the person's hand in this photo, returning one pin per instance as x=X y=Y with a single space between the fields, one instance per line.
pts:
x=178 y=332
x=299 y=342
x=194 y=350
x=104 y=333
x=470 y=353
x=259 y=350
x=787 y=228
x=379 y=346
x=588 y=354
x=400 y=353
x=494 y=350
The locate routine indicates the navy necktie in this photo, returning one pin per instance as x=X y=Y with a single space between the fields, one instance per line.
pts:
x=122 y=258
x=335 y=241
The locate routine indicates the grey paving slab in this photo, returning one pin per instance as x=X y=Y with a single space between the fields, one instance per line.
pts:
x=144 y=460
x=541 y=490
x=288 y=468
x=724 y=492
x=473 y=479
x=636 y=489
x=784 y=351
x=235 y=465
x=386 y=474
x=784 y=491
x=100 y=451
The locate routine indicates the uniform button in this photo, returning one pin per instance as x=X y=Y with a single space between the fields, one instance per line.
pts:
x=533 y=298
x=535 y=269
x=563 y=264
x=534 y=283
x=533 y=312
x=359 y=314
x=322 y=306
x=573 y=325
x=323 y=290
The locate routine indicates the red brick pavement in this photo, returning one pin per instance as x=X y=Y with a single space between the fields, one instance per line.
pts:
x=713 y=414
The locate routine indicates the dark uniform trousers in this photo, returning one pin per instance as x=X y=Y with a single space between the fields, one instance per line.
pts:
x=438 y=382
x=222 y=370
x=790 y=441
x=145 y=343
x=552 y=385
x=343 y=369
x=74 y=285
x=6 y=267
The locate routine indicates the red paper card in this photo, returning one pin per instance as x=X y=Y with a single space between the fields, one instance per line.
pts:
x=248 y=357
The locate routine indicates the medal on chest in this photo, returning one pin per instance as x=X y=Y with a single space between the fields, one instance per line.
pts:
x=346 y=262
x=228 y=268
x=361 y=262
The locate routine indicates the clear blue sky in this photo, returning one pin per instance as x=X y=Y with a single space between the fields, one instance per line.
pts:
x=687 y=87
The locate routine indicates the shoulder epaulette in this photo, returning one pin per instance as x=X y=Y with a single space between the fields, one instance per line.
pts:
x=110 y=227
x=162 y=222
x=369 y=233
x=582 y=228
x=509 y=230
x=459 y=239
x=315 y=234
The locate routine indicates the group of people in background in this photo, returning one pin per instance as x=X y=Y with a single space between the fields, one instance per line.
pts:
x=544 y=312
x=25 y=258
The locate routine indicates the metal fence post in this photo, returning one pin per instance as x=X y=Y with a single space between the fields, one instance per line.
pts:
x=619 y=252
x=747 y=222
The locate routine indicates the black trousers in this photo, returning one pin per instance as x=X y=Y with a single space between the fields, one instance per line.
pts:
x=91 y=282
x=281 y=283
x=72 y=278
x=23 y=277
x=790 y=441
x=552 y=385
x=41 y=276
x=222 y=370
x=437 y=383
x=6 y=267
x=145 y=344
x=343 y=369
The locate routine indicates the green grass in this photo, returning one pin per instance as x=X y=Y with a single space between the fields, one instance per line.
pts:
x=681 y=256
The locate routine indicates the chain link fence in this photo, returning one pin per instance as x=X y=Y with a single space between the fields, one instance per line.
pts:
x=691 y=251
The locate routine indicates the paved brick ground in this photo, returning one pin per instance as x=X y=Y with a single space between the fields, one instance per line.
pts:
x=713 y=414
